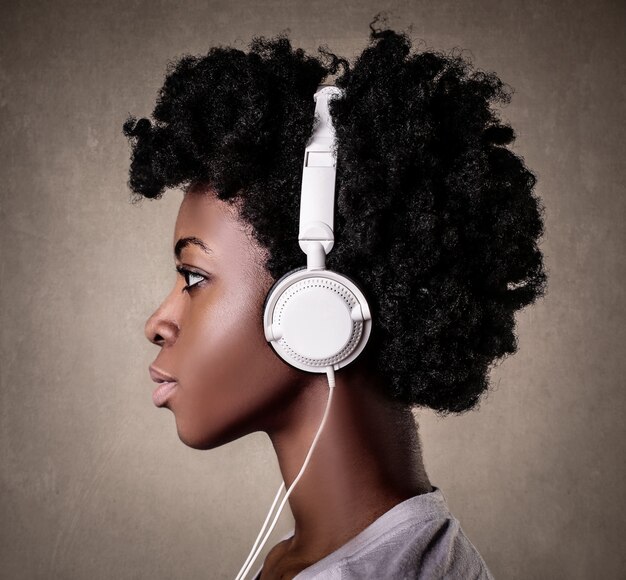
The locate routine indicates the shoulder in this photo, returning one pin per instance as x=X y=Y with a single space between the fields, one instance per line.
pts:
x=418 y=539
x=435 y=548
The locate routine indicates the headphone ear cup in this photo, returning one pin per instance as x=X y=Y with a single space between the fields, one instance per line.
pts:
x=316 y=318
x=275 y=284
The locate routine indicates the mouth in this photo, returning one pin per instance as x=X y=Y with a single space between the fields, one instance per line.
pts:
x=166 y=386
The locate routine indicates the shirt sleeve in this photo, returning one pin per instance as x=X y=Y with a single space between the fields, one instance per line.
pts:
x=437 y=549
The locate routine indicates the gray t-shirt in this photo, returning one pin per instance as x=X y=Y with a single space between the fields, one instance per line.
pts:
x=416 y=539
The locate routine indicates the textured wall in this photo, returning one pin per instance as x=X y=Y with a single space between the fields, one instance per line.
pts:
x=94 y=481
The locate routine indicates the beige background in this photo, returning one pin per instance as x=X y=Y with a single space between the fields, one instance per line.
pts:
x=94 y=481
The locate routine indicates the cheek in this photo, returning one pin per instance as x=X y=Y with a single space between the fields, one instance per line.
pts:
x=229 y=371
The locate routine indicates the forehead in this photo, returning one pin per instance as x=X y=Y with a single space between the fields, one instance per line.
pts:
x=202 y=210
x=205 y=217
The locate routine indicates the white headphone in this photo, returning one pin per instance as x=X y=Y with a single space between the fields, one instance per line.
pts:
x=316 y=320
x=314 y=317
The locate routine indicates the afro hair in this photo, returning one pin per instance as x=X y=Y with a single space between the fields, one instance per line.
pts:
x=435 y=219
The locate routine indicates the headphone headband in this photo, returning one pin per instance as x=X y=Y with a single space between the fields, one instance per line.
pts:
x=319 y=170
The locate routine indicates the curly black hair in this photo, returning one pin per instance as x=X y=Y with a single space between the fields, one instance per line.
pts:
x=435 y=218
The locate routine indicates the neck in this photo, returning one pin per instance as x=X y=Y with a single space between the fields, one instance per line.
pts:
x=367 y=460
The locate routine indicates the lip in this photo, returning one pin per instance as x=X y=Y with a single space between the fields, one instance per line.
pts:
x=162 y=393
x=167 y=386
x=159 y=376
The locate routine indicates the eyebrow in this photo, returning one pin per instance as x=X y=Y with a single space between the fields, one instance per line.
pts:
x=190 y=241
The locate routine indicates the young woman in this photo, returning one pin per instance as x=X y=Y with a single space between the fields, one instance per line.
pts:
x=435 y=220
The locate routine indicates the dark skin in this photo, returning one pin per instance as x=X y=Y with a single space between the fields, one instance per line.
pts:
x=231 y=383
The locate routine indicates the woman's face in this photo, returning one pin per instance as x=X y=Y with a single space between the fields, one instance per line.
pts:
x=229 y=379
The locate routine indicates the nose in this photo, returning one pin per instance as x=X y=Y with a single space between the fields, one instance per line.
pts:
x=162 y=327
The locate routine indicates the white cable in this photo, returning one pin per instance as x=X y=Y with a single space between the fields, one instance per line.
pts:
x=246 y=568
x=330 y=373
x=281 y=488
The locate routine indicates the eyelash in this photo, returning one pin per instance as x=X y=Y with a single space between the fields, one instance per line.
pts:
x=184 y=273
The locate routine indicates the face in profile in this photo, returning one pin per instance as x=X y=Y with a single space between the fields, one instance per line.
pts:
x=229 y=381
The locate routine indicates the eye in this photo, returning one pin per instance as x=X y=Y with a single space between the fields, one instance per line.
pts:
x=188 y=274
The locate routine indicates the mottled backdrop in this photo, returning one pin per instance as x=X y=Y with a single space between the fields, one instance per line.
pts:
x=94 y=481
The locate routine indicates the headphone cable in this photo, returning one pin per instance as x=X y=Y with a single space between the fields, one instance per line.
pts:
x=330 y=373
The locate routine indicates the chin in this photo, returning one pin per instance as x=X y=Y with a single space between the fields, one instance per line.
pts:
x=204 y=440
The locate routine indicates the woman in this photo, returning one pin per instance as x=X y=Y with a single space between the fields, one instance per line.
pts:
x=435 y=220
